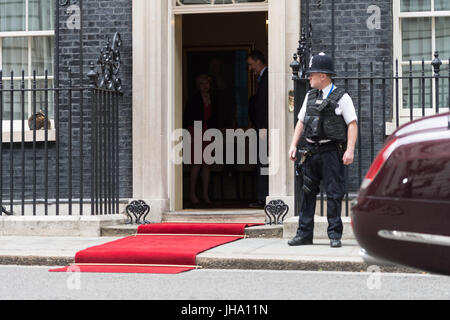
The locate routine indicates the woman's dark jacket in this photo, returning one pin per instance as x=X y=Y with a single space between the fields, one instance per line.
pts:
x=195 y=112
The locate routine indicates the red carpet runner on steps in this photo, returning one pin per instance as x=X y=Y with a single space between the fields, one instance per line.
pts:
x=157 y=248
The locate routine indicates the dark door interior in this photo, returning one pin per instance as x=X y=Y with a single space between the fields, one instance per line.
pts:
x=217 y=45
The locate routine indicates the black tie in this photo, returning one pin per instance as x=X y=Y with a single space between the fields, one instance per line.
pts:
x=320 y=94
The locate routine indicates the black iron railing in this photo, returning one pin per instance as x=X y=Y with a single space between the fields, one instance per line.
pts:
x=383 y=98
x=67 y=154
x=59 y=147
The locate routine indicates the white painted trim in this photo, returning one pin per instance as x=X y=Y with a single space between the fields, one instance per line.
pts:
x=222 y=8
x=424 y=14
x=174 y=94
x=17 y=132
x=15 y=34
x=171 y=169
x=17 y=136
x=26 y=16
x=397 y=47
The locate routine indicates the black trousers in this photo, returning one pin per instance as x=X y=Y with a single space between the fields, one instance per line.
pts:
x=262 y=178
x=262 y=183
x=328 y=168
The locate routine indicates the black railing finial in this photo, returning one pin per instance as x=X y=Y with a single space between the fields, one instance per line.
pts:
x=436 y=63
x=93 y=76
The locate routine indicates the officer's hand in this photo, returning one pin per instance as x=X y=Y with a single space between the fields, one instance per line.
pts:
x=348 y=157
x=293 y=153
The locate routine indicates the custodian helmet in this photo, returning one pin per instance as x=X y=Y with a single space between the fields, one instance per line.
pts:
x=321 y=63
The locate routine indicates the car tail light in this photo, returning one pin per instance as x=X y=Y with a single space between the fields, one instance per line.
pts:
x=378 y=163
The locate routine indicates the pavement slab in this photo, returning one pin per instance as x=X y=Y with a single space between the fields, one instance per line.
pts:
x=248 y=253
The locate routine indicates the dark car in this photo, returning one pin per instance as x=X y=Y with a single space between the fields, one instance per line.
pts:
x=402 y=212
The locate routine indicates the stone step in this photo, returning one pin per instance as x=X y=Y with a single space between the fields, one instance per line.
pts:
x=216 y=216
x=122 y=230
x=286 y=230
x=208 y=216
x=265 y=231
x=58 y=226
x=290 y=226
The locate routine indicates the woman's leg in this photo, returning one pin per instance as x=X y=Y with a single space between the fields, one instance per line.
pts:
x=195 y=169
x=206 y=173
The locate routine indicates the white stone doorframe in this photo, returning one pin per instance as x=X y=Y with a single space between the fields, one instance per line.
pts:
x=157 y=65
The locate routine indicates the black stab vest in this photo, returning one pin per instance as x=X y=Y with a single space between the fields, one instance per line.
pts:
x=321 y=121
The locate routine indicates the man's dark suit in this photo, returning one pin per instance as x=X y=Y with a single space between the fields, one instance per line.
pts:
x=259 y=115
x=259 y=103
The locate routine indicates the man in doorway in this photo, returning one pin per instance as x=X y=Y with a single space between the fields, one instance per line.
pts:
x=328 y=122
x=259 y=116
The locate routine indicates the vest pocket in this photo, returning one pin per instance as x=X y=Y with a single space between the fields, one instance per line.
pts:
x=312 y=124
x=335 y=128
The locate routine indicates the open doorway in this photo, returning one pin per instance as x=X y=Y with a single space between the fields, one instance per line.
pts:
x=215 y=50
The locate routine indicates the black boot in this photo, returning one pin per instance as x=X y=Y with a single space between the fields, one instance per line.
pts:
x=298 y=241
x=335 y=243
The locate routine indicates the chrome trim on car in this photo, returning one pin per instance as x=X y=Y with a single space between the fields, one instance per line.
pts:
x=415 y=237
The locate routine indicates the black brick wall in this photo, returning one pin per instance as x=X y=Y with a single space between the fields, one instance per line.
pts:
x=356 y=44
x=101 y=19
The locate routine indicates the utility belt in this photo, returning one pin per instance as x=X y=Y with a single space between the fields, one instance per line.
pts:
x=309 y=185
x=315 y=148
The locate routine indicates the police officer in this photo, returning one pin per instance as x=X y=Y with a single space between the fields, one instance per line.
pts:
x=328 y=122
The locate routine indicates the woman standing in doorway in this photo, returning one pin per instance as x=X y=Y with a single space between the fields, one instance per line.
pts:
x=200 y=107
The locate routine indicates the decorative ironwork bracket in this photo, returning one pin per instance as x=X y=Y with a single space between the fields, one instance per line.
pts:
x=64 y=3
x=109 y=61
x=436 y=63
x=139 y=210
x=277 y=210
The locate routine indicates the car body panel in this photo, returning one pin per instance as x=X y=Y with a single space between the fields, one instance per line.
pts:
x=403 y=215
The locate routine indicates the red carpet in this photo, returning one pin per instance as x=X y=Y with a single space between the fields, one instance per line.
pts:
x=157 y=248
